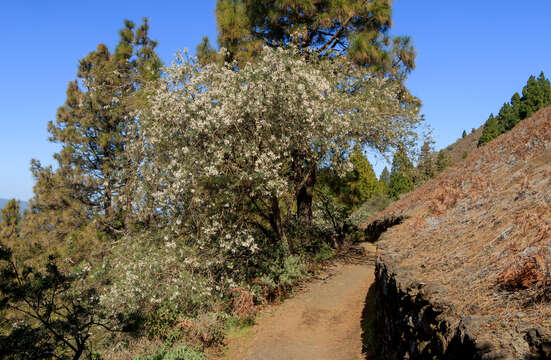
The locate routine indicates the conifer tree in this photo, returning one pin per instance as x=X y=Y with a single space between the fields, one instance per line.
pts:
x=401 y=175
x=356 y=28
x=364 y=183
x=10 y=225
x=507 y=118
x=515 y=105
x=93 y=128
x=464 y=134
x=535 y=95
x=442 y=161
x=426 y=167
x=384 y=178
x=205 y=52
x=490 y=131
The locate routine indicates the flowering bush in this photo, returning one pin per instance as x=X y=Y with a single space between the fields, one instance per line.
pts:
x=229 y=149
x=149 y=275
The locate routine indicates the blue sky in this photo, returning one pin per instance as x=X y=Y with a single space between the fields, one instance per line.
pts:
x=472 y=56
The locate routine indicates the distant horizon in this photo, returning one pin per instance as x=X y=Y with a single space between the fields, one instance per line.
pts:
x=472 y=57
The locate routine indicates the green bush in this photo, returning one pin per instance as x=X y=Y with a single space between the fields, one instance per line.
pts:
x=181 y=353
x=325 y=253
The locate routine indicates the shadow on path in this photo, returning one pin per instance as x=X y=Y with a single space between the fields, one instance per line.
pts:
x=368 y=324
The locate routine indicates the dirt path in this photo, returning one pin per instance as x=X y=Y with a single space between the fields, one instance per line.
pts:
x=322 y=321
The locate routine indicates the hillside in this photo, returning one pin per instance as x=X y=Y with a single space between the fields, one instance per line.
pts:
x=468 y=144
x=475 y=243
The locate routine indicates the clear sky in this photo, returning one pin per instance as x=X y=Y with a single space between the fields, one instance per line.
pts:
x=472 y=56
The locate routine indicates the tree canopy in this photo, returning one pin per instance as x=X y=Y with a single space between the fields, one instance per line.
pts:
x=358 y=29
x=93 y=128
x=248 y=144
x=402 y=178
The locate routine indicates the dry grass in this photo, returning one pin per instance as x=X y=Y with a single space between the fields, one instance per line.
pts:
x=467 y=145
x=481 y=231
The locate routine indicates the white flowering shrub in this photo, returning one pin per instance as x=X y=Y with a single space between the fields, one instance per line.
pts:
x=148 y=273
x=227 y=150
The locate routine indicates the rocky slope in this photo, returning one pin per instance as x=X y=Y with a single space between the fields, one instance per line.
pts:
x=468 y=269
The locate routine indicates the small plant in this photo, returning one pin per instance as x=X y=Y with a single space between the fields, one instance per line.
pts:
x=325 y=253
x=181 y=353
x=465 y=154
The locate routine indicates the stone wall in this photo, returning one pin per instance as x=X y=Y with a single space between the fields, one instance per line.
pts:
x=411 y=325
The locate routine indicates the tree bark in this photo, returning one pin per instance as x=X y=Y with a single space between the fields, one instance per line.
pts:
x=304 y=198
x=277 y=225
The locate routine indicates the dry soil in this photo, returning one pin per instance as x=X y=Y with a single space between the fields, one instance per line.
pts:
x=322 y=321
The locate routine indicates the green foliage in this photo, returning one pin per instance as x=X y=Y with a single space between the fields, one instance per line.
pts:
x=352 y=189
x=284 y=275
x=330 y=214
x=490 y=131
x=536 y=95
x=149 y=274
x=180 y=353
x=10 y=225
x=465 y=154
x=325 y=253
x=442 y=161
x=94 y=165
x=426 y=168
x=464 y=135
x=401 y=175
x=205 y=52
x=384 y=178
x=49 y=314
x=200 y=212
x=364 y=183
x=358 y=29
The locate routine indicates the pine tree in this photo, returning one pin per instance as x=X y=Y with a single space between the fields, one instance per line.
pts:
x=401 y=175
x=442 y=161
x=426 y=167
x=357 y=28
x=205 y=53
x=490 y=131
x=364 y=183
x=10 y=227
x=506 y=118
x=93 y=128
x=384 y=178
x=464 y=135
x=535 y=95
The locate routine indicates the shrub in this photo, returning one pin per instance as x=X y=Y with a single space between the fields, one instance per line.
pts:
x=156 y=279
x=325 y=253
x=51 y=315
x=181 y=353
